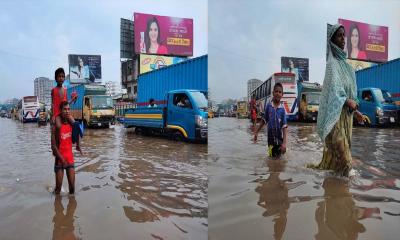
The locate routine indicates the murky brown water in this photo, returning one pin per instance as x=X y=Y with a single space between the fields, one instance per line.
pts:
x=127 y=187
x=252 y=197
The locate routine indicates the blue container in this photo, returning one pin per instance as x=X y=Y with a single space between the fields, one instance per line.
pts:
x=385 y=76
x=190 y=74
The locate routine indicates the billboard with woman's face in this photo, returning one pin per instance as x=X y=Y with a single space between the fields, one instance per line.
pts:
x=160 y=35
x=365 y=42
x=84 y=68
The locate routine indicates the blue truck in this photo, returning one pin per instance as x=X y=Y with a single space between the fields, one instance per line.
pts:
x=179 y=92
x=382 y=82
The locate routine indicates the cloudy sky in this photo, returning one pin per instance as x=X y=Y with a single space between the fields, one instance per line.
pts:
x=37 y=36
x=248 y=38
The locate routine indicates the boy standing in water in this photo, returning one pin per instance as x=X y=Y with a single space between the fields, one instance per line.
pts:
x=275 y=118
x=61 y=144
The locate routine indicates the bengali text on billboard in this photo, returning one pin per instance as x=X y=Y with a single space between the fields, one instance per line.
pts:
x=152 y=62
x=84 y=68
x=161 y=35
x=298 y=66
x=366 y=42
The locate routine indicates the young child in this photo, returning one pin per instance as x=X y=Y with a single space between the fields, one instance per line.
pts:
x=58 y=95
x=61 y=144
x=275 y=118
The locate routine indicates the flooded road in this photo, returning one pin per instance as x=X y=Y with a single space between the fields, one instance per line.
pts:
x=253 y=197
x=127 y=187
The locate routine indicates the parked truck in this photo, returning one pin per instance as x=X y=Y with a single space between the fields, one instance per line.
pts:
x=242 y=109
x=179 y=92
x=385 y=76
x=92 y=106
x=308 y=100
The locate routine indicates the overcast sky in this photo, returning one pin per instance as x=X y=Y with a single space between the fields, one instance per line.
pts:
x=37 y=36
x=248 y=38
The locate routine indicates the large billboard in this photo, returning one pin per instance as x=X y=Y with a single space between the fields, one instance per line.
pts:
x=163 y=35
x=366 y=42
x=152 y=62
x=359 y=65
x=84 y=68
x=298 y=66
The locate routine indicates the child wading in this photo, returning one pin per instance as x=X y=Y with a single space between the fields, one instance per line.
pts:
x=61 y=144
x=275 y=118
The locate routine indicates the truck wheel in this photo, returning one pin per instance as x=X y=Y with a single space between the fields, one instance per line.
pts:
x=178 y=136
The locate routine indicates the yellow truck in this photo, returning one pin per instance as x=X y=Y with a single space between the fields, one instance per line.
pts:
x=241 y=109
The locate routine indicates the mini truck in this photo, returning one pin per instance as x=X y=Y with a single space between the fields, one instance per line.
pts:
x=179 y=93
x=308 y=100
x=186 y=121
x=92 y=106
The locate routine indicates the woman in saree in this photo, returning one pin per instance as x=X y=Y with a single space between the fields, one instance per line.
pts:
x=337 y=106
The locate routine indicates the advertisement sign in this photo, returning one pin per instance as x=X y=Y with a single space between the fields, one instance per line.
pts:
x=84 y=68
x=152 y=62
x=161 y=35
x=366 y=42
x=298 y=66
x=358 y=65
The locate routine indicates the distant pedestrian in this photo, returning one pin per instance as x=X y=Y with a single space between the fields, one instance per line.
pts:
x=275 y=118
x=61 y=145
x=152 y=103
x=338 y=103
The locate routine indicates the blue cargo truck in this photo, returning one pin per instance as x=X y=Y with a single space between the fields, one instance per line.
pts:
x=379 y=93
x=179 y=92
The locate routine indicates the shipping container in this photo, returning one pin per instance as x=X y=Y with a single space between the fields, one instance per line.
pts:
x=190 y=74
x=385 y=76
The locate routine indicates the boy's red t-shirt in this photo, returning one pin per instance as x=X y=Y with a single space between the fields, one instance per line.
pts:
x=65 y=141
x=56 y=100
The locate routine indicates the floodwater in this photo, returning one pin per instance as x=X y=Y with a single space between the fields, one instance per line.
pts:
x=127 y=187
x=253 y=197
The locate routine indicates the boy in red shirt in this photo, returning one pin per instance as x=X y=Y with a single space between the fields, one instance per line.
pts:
x=61 y=144
x=58 y=95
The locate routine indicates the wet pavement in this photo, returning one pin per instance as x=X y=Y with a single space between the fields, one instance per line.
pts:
x=253 y=197
x=127 y=187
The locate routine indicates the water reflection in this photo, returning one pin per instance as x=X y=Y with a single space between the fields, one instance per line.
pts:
x=64 y=223
x=274 y=196
x=337 y=216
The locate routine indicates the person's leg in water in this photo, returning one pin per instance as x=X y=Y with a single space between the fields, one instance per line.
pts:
x=59 y=175
x=71 y=179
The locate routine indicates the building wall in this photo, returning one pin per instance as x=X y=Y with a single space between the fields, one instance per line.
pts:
x=251 y=85
x=42 y=89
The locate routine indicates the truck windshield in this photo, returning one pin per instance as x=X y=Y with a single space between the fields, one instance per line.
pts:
x=387 y=96
x=379 y=96
x=313 y=98
x=102 y=102
x=200 y=100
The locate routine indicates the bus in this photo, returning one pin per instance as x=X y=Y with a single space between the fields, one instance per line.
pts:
x=263 y=94
x=28 y=109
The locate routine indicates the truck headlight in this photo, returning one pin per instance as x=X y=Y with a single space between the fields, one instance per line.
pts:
x=379 y=112
x=200 y=121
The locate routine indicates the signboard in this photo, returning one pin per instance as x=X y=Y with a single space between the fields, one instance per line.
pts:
x=152 y=62
x=161 y=35
x=358 y=65
x=366 y=42
x=298 y=66
x=84 y=68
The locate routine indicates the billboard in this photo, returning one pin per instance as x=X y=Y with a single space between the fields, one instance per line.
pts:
x=152 y=62
x=298 y=66
x=84 y=68
x=163 y=35
x=358 y=65
x=366 y=42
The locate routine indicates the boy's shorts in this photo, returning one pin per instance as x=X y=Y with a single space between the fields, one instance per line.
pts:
x=274 y=151
x=61 y=167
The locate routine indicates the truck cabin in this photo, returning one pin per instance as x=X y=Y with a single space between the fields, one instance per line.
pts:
x=99 y=102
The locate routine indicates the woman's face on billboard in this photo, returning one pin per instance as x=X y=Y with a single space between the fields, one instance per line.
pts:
x=354 y=38
x=153 y=33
